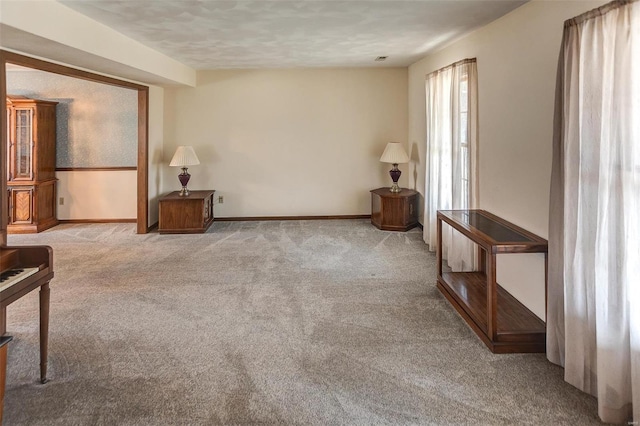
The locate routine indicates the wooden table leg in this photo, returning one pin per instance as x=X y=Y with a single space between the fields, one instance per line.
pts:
x=3 y=320
x=439 y=246
x=44 y=331
x=482 y=260
x=492 y=297
x=3 y=370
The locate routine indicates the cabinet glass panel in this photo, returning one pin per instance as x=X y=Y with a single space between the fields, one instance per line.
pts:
x=23 y=144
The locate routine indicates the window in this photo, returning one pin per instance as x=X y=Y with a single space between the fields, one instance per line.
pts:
x=451 y=107
x=463 y=122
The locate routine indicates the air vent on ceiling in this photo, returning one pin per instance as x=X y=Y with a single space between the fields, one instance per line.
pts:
x=381 y=58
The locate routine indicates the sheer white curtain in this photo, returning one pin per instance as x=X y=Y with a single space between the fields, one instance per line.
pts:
x=451 y=183
x=593 y=320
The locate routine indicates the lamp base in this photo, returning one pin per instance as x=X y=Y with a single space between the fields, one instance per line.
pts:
x=395 y=175
x=184 y=180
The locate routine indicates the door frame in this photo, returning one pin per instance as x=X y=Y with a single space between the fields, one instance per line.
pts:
x=6 y=57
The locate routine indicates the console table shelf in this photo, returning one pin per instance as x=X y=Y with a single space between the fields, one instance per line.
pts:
x=503 y=323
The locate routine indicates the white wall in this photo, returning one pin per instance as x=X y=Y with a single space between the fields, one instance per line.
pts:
x=288 y=142
x=96 y=194
x=517 y=59
x=156 y=139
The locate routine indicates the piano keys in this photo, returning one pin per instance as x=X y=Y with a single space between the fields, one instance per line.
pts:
x=29 y=268
x=13 y=276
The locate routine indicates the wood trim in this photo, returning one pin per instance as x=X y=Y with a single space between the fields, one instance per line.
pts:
x=61 y=221
x=4 y=205
x=143 y=128
x=143 y=161
x=95 y=169
x=267 y=218
x=29 y=62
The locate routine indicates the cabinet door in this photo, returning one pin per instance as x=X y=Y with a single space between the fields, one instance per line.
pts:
x=411 y=210
x=21 y=205
x=21 y=146
x=208 y=209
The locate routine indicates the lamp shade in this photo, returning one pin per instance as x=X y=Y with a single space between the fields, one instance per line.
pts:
x=394 y=153
x=184 y=156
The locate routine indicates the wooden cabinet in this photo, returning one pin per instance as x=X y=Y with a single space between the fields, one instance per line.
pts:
x=394 y=211
x=503 y=323
x=31 y=168
x=187 y=214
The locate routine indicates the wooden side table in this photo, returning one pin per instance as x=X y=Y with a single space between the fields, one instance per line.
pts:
x=190 y=214
x=394 y=211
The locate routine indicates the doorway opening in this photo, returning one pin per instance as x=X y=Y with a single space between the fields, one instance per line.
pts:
x=142 y=208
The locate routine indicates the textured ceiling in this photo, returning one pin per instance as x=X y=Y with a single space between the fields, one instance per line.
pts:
x=214 y=34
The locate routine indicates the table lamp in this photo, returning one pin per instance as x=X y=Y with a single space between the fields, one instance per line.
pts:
x=184 y=156
x=395 y=154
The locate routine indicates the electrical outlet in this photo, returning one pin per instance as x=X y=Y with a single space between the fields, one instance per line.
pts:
x=220 y=199
x=61 y=201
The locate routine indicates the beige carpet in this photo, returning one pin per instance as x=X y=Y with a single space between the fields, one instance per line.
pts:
x=293 y=322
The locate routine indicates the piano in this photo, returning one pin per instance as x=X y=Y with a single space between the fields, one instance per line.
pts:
x=22 y=270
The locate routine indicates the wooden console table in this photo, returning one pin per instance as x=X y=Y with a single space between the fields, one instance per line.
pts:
x=189 y=214
x=503 y=323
